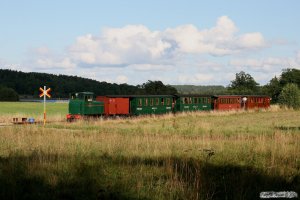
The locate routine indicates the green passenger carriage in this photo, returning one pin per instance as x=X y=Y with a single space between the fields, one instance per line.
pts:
x=188 y=103
x=151 y=104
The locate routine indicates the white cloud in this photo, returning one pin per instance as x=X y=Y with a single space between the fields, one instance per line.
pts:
x=184 y=54
x=251 y=41
x=137 y=45
x=119 y=46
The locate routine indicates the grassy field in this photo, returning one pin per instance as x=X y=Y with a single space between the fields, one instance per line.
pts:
x=55 y=111
x=228 y=155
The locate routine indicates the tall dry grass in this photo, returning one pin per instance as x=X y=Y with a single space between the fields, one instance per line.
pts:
x=168 y=156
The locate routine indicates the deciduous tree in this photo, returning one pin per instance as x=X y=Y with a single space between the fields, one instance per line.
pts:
x=290 y=96
x=243 y=84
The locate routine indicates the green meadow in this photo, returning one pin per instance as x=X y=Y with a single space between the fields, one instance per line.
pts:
x=33 y=109
x=211 y=155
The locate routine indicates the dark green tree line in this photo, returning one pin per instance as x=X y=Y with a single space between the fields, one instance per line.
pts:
x=8 y=94
x=27 y=84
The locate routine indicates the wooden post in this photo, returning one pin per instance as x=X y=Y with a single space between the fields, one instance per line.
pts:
x=44 y=105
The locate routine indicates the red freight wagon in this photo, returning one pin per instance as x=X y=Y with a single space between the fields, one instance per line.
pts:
x=255 y=101
x=114 y=105
x=227 y=102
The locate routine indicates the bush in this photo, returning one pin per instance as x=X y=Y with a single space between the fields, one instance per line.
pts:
x=290 y=96
x=8 y=94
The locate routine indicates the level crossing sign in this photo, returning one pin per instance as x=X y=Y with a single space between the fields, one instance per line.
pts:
x=44 y=93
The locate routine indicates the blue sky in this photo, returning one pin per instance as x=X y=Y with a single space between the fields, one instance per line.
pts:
x=178 y=42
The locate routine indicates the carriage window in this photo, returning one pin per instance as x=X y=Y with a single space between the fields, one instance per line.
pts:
x=139 y=102
x=157 y=101
x=151 y=102
x=146 y=102
x=186 y=101
x=208 y=100
x=168 y=101
x=162 y=101
x=74 y=96
x=195 y=100
x=190 y=100
x=80 y=96
x=88 y=98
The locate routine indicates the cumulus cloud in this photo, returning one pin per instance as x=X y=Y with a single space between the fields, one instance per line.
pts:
x=137 y=45
x=133 y=44
x=251 y=41
x=184 y=54
x=223 y=39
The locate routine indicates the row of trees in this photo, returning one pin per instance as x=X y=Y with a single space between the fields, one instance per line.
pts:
x=283 y=89
x=27 y=85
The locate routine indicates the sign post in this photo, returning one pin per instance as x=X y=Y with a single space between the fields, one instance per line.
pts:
x=45 y=93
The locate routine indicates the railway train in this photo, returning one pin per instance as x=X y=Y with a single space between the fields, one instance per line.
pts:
x=85 y=104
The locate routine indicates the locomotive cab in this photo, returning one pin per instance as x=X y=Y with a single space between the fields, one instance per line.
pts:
x=83 y=104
